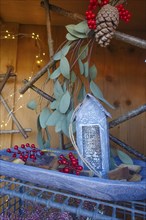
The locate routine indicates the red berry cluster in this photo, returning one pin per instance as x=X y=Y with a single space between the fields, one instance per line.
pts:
x=90 y=16
x=123 y=13
x=25 y=152
x=103 y=2
x=69 y=165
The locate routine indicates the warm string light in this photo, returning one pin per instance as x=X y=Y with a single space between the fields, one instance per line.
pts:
x=7 y=35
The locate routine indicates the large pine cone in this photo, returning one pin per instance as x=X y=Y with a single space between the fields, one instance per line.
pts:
x=107 y=21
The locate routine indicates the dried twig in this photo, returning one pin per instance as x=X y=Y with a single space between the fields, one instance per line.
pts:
x=127 y=116
x=14 y=131
x=6 y=77
x=22 y=131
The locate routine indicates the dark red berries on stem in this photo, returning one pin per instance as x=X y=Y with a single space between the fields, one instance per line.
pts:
x=25 y=152
x=123 y=13
x=69 y=165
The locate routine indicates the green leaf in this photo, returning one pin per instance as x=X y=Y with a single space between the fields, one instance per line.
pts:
x=73 y=76
x=53 y=119
x=69 y=115
x=65 y=128
x=124 y=157
x=44 y=115
x=93 y=72
x=82 y=27
x=64 y=102
x=71 y=37
x=58 y=91
x=58 y=126
x=65 y=49
x=32 y=105
x=83 y=52
x=64 y=87
x=81 y=66
x=40 y=139
x=112 y=163
x=65 y=67
x=58 y=55
x=82 y=93
x=73 y=32
x=98 y=94
x=86 y=67
x=56 y=73
x=55 y=104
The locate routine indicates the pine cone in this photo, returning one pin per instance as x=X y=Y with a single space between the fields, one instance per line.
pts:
x=107 y=21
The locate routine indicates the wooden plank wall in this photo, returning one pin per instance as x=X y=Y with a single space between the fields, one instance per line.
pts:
x=121 y=77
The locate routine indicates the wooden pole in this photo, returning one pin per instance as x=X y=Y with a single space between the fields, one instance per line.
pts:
x=6 y=77
x=22 y=131
x=40 y=92
x=14 y=131
x=49 y=32
x=127 y=148
x=118 y=35
x=127 y=116
x=36 y=77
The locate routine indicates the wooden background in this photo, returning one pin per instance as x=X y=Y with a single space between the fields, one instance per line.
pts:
x=121 y=77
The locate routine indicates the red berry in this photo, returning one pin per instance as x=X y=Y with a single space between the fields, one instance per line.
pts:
x=16 y=147
x=22 y=145
x=32 y=156
x=77 y=172
x=41 y=153
x=14 y=155
x=61 y=156
x=32 y=145
x=79 y=168
x=27 y=145
x=8 y=150
x=66 y=169
x=21 y=157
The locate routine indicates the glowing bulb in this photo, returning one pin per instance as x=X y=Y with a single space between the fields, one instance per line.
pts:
x=9 y=35
x=44 y=54
x=41 y=61
x=6 y=124
x=32 y=37
x=1 y=126
x=21 y=96
x=6 y=37
x=38 y=62
x=29 y=78
x=36 y=56
x=13 y=37
x=33 y=33
x=7 y=31
x=11 y=95
x=20 y=106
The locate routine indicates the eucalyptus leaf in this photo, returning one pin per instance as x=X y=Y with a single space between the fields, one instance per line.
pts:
x=53 y=119
x=82 y=27
x=56 y=73
x=66 y=49
x=73 y=32
x=73 y=76
x=86 y=68
x=125 y=158
x=82 y=93
x=53 y=105
x=58 y=55
x=65 y=128
x=64 y=87
x=112 y=163
x=93 y=72
x=83 y=52
x=81 y=66
x=58 y=126
x=65 y=67
x=69 y=115
x=64 y=102
x=58 y=91
x=70 y=37
x=44 y=115
x=98 y=94
x=32 y=105
x=40 y=139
